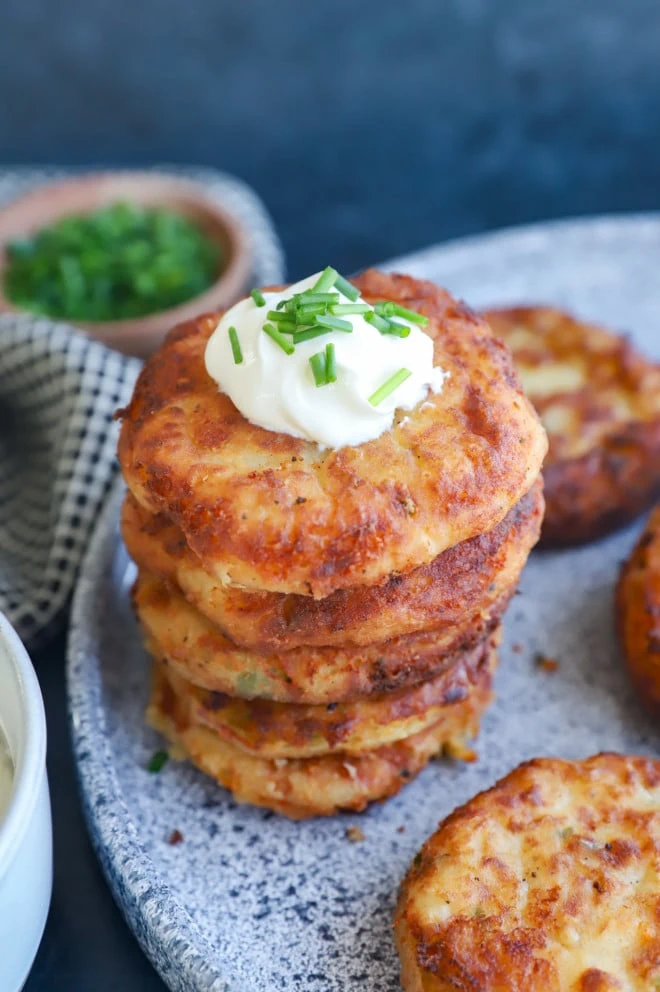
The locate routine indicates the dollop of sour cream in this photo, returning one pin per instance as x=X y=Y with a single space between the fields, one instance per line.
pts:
x=278 y=391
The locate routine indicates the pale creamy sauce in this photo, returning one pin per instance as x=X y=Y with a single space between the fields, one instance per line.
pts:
x=277 y=391
x=6 y=776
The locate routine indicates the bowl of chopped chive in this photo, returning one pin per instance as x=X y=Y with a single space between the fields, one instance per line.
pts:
x=124 y=256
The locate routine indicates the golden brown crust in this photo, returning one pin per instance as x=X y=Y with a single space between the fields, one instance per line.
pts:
x=291 y=730
x=268 y=511
x=461 y=584
x=599 y=401
x=638 y=614
x=545 y=883
x=322 y=786
x=200 y=653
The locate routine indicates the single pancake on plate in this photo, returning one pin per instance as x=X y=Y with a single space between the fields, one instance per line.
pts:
x=638 y=614
x=293 y=730
x=461 y=584
x=599 y=400
x=548 y=882
x=319 y=786
x=269 y=511
x=175 y=631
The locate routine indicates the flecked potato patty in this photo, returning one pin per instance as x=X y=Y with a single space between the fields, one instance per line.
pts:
x=321 y=786
x=548 y=882
x=291 y=730
x=463 y=583
x=599 y=400
x=267 y=511
x=638 y=614
x=201 y=654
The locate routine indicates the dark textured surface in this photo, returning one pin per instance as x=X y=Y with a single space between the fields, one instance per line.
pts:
x=369 y=129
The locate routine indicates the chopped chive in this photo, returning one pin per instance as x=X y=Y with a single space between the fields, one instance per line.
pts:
x=157 y=760
x=279 y=339
x=309 y=333
x=278 y=317
x=334 y=323
x=258 y=297
x=326 y=280
x=235 y=346
x=384 y=308
x=309 y=309
x=287 y=327
x=317 y=362
x=281 y=304
x=347 y=288
x=389 y=386
x=309 y=297
x=345 y=308
x=399 y=330
x=330 y=363
x=411 y=315
x=379 y=323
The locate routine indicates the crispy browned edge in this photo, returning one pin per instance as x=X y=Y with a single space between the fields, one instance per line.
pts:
x=322 y=786
x=638 y=614
x=332 y=546
x=460 y=582
x=507 y=962
x=596 y=494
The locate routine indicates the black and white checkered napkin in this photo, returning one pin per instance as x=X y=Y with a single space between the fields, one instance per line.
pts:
x=58 y=393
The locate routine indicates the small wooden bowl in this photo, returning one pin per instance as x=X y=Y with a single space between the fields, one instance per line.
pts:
x=139 y=336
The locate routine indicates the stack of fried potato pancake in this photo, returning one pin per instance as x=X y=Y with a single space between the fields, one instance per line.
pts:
x=324 y=621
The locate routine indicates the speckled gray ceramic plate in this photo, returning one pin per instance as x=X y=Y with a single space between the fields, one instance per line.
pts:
x=254 y=903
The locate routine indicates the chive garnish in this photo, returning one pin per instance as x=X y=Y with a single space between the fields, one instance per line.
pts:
x=309 y=333
x=258 y=298
x=411 y=315
x=347 y=288
x=284 y=321
x=317 y=362
x=399 y=330
x=379 y=323
x=235 y=346
x=384 y=308
x=309 y=309
x=345 y=308
x=309 y=297
x=330 y=363
x=389 y=386
x=335 y=323
x=279 y=339
x=157 y=760
x=326 y=280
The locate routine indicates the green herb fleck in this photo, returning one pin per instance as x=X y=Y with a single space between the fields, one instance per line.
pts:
x=317 y=363
x=347 y=288
x=279 y=339
x=325 y=281
x=235 y=346
x=157 y=761
x=258 y=297
x=330 y=363
x=389 y=386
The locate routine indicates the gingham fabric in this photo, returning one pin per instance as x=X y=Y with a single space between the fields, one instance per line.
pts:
x=58 y=393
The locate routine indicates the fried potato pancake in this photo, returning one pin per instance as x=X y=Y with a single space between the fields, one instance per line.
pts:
x=291 y=730
x=174 y=630
x=638 y=614
x=305 y=787
x=548 y=882
x=461 y=583
x=599 y=401
x=267 y=511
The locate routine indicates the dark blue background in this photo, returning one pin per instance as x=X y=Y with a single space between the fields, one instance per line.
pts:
x=369 y=129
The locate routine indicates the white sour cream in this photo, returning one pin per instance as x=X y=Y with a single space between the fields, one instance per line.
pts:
x=277 y=391
x=6 y=776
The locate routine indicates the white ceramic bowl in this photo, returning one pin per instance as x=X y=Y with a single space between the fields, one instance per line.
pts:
x=26 y=858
